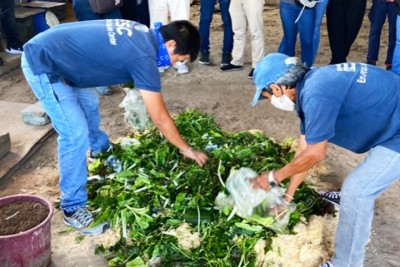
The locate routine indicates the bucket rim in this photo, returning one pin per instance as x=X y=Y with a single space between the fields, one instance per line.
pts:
x=27 y=197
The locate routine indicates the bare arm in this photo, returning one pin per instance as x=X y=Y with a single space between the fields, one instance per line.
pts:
x=305 y=158
x=163 y=121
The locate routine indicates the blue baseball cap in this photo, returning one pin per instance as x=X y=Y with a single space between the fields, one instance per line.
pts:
x=268 y=71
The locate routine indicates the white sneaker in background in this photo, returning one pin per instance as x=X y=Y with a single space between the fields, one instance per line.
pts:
x=181 y=67
x=14 y=50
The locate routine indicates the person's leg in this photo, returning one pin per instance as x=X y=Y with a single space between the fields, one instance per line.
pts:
x=335 y=15
x=8 y=24
x=239 y=26
x=377 y=17
x=254 y=14
x=361 y=187
x=288 y=14
x=306 y=30
x=353 y=21
x=396 y=53
x=392 y=16
x=89 y=104
x=60 y=102
x=83 y=10
x=206 y=15
x=158 y=10
x=320 y=8
x=226 y=19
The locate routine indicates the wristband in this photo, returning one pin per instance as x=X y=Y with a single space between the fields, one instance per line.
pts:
x=271 y=180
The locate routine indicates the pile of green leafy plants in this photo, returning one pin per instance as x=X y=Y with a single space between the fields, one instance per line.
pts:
x=150 y=189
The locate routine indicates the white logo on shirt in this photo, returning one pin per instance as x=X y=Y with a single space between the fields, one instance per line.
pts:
x=122 y=27
x=351 y=67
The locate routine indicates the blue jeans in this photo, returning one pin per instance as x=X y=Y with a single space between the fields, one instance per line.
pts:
x=206 y=15
x=8 y=23
x=83 y=11
x=305 y=26
x=362 y=186
x=396 y=53
x=377 y=16
x=75 y=115
x=320 y=8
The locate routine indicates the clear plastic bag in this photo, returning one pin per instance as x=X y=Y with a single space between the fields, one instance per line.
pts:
x=257 y=204
x=136 y=115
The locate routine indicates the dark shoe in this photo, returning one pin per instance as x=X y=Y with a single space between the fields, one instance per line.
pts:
x=1 y=62
x=371 y=62
x=331 y=196
x=204 y=58
x=251 y=74
x=95 y=155
x=231 y=67
x=327 y=264
x=81 y=219
x=226 y=59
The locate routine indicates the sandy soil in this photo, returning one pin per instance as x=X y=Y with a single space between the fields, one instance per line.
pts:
x=227 y=96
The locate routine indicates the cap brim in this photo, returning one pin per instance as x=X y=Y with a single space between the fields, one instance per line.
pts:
x=257 y=96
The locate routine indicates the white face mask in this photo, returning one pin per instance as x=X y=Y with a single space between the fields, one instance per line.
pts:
x=283 y=102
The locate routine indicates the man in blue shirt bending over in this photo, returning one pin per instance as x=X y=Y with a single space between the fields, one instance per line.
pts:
x=64 y=64
x=353 y=105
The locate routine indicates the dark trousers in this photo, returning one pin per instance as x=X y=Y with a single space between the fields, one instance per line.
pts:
x=8 y=23
x=344 y=19
x=130 y=10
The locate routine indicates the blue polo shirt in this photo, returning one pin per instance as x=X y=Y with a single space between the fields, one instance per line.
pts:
x=97 y=53
x=353 y=105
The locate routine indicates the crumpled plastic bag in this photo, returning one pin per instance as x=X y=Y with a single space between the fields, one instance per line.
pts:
x=136 y=115
x=265 y=207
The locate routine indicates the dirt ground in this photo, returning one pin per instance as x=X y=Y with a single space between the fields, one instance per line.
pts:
x=226 y=96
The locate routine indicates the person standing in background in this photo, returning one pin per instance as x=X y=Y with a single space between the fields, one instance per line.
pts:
x=344 y=20
x=177 y=10
x=320 y=9
x=381 y=9
x=296 y=18
x=136 y=10
x=9 y=27
x=206 y=16
x=245 y=12
x=396 y=53
x=83 y=11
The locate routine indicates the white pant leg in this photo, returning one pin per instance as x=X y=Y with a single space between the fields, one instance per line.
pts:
x=239 y=26
x=254 y=14
x=179 y=9
x=158 y=10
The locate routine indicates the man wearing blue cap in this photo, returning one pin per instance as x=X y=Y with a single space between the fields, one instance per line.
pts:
x=353 y=105
x=64 y=64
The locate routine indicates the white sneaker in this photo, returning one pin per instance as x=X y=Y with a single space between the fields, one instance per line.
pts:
x=181 y=67
x=14 y=50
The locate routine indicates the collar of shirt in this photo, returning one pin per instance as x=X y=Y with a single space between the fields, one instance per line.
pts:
x=162 y=56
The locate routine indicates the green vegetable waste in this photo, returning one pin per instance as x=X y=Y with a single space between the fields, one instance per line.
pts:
x=156 y=190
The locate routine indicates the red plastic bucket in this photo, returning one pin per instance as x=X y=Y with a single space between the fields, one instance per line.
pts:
x=31 y=248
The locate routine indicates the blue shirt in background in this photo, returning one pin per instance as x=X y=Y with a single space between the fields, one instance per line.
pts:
x=353 y=105
x=97 y=53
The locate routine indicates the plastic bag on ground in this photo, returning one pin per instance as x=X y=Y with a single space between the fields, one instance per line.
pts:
x=136 y=115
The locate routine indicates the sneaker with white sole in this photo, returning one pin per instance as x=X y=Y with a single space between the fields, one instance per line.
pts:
x=95 y=155
x=231 y=67
x=14 y=50
x=82 y=219
x=327 y=264
x=181 y=67
x=331 y=196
